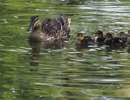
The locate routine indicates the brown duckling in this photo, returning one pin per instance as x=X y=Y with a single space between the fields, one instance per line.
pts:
x=128 y=37
x=100 y=36
x=44 y=31
x=81 y=39
x=110 y=40
x=123 y=36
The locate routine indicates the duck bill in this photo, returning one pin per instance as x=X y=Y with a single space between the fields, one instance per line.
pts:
x=95 y=35
x=63 y=15
x=121 y=36
x=30 y=27
x=94 y=32
x=76 y=38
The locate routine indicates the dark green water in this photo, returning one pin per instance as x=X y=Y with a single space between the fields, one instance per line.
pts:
x=61 y=70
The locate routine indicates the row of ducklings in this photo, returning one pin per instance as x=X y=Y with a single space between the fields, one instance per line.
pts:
x=108 y=39
x=48 y=29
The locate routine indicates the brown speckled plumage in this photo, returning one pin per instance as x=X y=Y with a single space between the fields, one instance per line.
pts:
x=49 y=29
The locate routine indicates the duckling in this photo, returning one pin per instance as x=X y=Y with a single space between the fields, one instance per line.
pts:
x=128 y=37
x=123 y=36
x=110 y=40
x=100 y=38
x=81 y=39
x=39 y=33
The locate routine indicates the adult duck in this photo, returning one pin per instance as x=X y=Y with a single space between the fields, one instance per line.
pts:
x=49 y=29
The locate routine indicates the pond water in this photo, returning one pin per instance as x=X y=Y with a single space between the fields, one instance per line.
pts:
x=62 y=70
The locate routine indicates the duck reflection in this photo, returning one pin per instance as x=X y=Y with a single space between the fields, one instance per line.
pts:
x=42 y=47
x=108 y=48
x=128 y=50
x=81 y=48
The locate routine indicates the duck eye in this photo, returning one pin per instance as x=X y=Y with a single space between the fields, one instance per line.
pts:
x=36 y=20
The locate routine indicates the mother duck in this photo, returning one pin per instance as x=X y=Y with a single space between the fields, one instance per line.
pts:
x=49 y=29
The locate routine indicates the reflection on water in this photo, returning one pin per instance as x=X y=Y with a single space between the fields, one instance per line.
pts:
x=61 y=70
x=37 y=48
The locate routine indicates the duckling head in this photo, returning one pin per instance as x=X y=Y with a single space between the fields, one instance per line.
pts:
x=122 y=34
x=108 y=37
x=99 y=34
x=35 y=23
x=129 y=33
x=80 y=36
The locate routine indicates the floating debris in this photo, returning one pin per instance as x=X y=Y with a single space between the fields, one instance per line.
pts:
x=22 y=28
x=104 y=97
x=16 y=17
x=6 y=22
x=27 y=3
x=82 y=23
x=46 y=9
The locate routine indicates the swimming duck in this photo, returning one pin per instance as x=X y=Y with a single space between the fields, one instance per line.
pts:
x=49 y=29
x=123 y=36
x=128 y=37
x=110 y=40
x=81 y=39
x=100 y=36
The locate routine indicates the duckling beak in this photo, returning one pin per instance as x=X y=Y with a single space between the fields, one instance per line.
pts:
x=127 y=34
x=75 y=38
x=121 y=36
x=94 y=32
x=104 y=36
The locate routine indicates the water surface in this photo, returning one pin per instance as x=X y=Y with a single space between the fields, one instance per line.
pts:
x=62 y=70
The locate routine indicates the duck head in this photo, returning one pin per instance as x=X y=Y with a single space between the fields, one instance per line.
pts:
x=35 y=23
